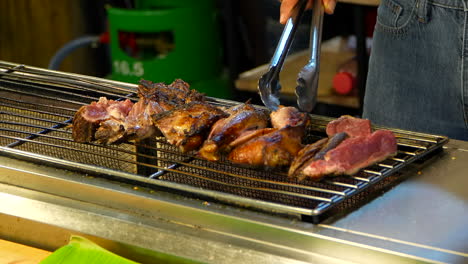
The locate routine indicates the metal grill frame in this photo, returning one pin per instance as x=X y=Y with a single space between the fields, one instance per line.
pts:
x=165 y=167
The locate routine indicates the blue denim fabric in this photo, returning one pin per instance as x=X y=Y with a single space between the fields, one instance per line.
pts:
x=418 y=69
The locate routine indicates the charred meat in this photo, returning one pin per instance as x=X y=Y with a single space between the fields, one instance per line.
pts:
x=169 y=96
x=156 y=98
x=187 y=126
x=242 y=120
x=109 y=121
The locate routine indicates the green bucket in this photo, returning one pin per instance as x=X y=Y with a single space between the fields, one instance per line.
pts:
x=162 y=40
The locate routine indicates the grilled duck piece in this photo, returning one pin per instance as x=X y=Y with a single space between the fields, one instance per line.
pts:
x=86 y=126
x=272 y=147
x=249 y=135
x=275 y=149
x=242 y=119
x=187 y=126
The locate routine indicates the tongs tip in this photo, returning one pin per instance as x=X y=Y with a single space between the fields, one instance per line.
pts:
x=269 y=90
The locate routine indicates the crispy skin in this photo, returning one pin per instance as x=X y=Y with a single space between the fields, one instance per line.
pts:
x=275 y=149
x=249 y=135
x=226 y=130
x=272 y=147
x=187 y=126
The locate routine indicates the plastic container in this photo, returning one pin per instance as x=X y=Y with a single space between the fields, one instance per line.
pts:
x=344 y=82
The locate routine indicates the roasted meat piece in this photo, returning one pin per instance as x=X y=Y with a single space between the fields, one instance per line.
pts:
x=89 y=118
x=313 y=152
x=139 y=124
x=352 y=155
x=353 y=126
x=109 y=121
x=249 y=135
x=272 y=147
x=288 y=116
x=242 y=119
x=339 y=155
x=187 y=126
x=169 y=96
x=156 y=98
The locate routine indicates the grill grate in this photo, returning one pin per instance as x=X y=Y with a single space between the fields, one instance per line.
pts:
x=36 y=107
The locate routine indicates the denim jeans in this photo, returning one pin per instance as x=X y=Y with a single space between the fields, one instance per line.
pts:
x=418 y=69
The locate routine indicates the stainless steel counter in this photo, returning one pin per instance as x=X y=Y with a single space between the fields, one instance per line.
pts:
x=425 y=215
x=421 y=219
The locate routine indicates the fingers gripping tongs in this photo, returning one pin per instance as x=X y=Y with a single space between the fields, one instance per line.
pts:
x=307 y=79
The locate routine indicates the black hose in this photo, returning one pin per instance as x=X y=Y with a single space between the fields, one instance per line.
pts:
x=68 y=48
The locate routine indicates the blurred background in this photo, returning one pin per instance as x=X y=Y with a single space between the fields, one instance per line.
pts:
x=220 y=47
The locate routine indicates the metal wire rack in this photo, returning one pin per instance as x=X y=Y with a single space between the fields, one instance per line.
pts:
x=37 y=107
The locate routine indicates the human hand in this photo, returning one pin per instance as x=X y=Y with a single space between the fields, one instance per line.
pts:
x=287 y=7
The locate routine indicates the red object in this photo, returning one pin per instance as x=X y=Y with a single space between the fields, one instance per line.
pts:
x=344 y=82
x=104 y=38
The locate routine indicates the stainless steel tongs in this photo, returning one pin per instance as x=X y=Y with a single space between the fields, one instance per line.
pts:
x=307 y=79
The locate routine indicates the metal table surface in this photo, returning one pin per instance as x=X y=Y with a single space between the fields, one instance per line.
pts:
x=422 y=219
x=426 y=214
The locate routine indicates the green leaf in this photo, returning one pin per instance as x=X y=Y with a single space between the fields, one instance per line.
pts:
x=81 y=250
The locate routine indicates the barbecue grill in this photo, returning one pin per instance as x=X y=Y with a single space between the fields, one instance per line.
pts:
x=148 y=200
x=37 y=107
